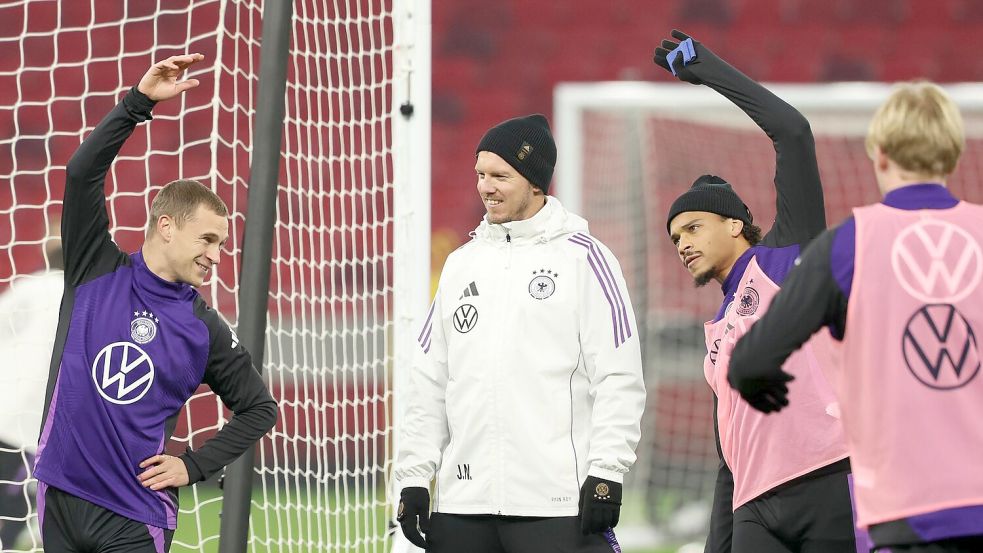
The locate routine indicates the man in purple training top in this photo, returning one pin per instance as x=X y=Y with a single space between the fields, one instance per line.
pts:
x=134 y=341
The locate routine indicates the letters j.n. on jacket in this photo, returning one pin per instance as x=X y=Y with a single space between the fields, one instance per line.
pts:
x=528 y=375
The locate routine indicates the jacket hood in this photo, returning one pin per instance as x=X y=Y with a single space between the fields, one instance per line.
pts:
x=550 y=222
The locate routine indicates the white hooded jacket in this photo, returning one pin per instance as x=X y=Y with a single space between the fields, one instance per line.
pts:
x=529 y=372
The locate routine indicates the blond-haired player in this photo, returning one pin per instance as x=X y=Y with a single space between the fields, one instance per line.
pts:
x=899 y=283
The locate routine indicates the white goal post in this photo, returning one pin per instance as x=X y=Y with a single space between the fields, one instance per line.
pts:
x=626 y=150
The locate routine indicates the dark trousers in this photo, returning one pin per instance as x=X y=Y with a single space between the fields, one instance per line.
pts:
x=73 y=525
x=494 y=534
x=813 y=515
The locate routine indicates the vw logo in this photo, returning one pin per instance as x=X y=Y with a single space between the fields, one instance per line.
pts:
x=465 y=317
x=940 y=347
x=936 y=261
x=123 y=373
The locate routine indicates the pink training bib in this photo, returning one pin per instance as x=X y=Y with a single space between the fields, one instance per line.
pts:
x=911 y=389
x=762 y=450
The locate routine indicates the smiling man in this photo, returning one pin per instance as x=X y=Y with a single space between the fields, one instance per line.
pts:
x=783 y=482
x=526 y=399
x=134 y=342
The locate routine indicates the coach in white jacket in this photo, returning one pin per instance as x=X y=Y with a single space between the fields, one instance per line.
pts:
x=526 y=398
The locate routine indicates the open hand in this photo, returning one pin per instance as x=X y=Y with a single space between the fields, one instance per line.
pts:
x=165 y=471
x=678 y=64
x=161 y=80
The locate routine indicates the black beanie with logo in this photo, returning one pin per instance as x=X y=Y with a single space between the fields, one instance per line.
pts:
x=712 y=194
x=527 y=145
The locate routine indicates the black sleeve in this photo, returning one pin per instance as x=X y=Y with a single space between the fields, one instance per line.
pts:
x=722 y=510
x=231 y=375
x=809 y=300
x=86 y=244
x=800 y=211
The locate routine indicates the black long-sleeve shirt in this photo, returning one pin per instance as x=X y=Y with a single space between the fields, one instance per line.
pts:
x=130 y=350
x=800 y=216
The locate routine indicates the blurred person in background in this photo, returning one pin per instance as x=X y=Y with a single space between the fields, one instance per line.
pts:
x=526 y=397
x=783 y=482
x=28 y=320
x=899 y=283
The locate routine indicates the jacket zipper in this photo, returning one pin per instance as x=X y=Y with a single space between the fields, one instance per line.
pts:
x=500 y=500
x=508 y=241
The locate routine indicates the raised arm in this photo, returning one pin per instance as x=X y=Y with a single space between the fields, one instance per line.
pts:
x=87 y=245
x=800 y=214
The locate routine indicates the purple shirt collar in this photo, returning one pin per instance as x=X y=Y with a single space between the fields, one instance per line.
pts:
x=149 y=281
x=920 y=196
x=730 y=283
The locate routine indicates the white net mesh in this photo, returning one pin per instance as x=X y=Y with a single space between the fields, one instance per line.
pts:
x=641 y=147
x=319 y=485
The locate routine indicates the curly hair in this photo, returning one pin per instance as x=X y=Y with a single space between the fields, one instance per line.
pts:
x=751 y=233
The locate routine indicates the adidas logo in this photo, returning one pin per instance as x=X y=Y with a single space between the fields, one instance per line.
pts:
x=469 y=290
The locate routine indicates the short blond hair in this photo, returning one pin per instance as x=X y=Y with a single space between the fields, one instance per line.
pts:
x=919 y=128
x=180 y=199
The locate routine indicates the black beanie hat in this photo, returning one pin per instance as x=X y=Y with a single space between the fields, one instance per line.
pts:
x=527 y=145
x=712 y=194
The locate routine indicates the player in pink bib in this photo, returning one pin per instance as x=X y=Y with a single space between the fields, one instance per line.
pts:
x=901 y=284
x=783 y=483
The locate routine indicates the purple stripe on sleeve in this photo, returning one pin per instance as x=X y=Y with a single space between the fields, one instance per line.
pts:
x=42 y=489
x=616 y=327
x=595 y=251
x=606 y=268
x=619 y=335
x=49 y=419
x=158 y=535
x=619 y=324
x=426 y=324
x=426 y=337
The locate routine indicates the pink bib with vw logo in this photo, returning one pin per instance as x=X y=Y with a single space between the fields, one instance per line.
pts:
x=762 y=450
x=911 y=390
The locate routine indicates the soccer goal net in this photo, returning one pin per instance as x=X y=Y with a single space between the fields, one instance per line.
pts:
x=626 y=151
x=319 y=483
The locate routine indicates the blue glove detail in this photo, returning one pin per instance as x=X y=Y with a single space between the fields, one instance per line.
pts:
x=686 y=49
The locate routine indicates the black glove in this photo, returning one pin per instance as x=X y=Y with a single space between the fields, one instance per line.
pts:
x=767 y=395
x=600 y=505
x=680 y=66
x=414 y=510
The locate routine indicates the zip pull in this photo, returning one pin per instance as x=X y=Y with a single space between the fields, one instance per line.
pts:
x=508 y=242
